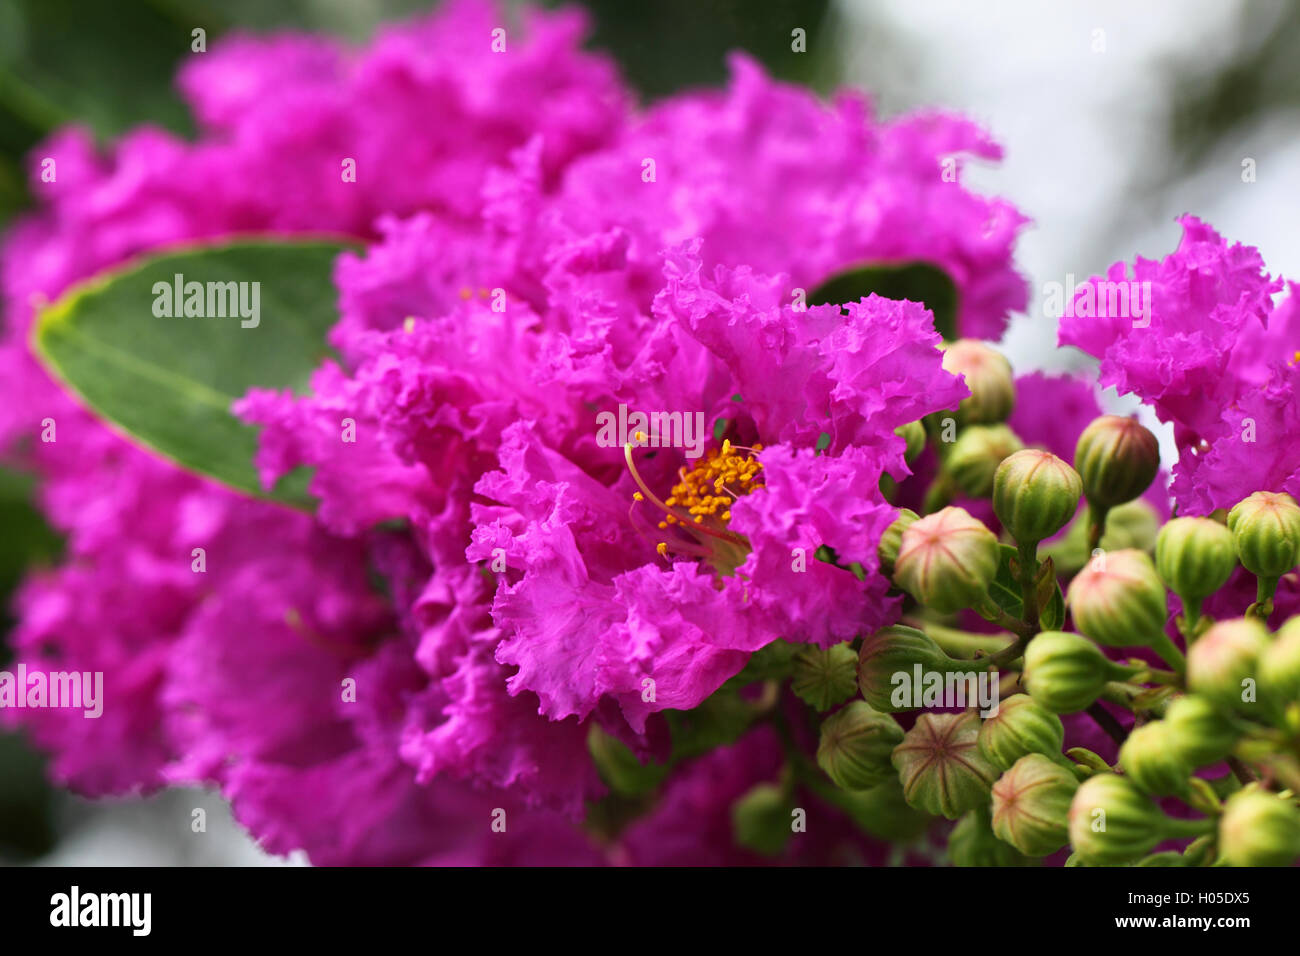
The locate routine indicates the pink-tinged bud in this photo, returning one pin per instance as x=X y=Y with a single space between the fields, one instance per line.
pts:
x=941 y=767
x=1031 y=805
x=1118 y=600
x=1223 y=663
x=1259 y=828
x=947 y=560
x=988 y=376
x=1117 y=459
x=1035 y=494
x=1266 y=531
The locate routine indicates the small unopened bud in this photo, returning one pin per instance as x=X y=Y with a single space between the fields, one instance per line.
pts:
x=975 y=456
x=856 y=745
x=1021 y=726
x=1131 y=525
x=1035 y=494
x=1117 y=459
x=892 y=539
x=1031 y=805
x=1266 y=531
x=1223 y=661
x=940 y=766
x=1066 y=672
x=1259 y=829
x=894 y=650
x=1118 y=600
x=973 y=843
x=947 y=560
x=913 y=433
x=1154 y=764
x=1197 y=731
x=1279 y=669
x=988 y=376
x=1113 y=822
x=760 y=820
x=1194 y=557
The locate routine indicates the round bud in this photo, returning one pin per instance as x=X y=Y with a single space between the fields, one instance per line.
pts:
x=856 y=745
x=1279 y=668
x=897 y=650
x=1131 y=525
x=1113 y=822
x=1031 y=805
x=976 y=454
x=988 y=376
x=1259 y=829
x=1266 y=532
x=824 y=677
x=1066 y=672
x=1224 y=658
x=892 y=539
x=1197 y=731
x=1194 y=557
x=1035 y=494
x=760 y=820
x=1117 y=459
x=940 y=766
x=947 y=560
x=1021 y=726
x=1152 y=762
x=1118 y=600
x=913 y=433
x=972 y=843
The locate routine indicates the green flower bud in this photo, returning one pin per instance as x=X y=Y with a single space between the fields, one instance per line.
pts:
x=760 y=820
x=1152 y=762
x=940 y=765
x=1035 y=494
x=989 y=378
x=1118 y=600
x=892 y=539
x=1197 y=732
x=1117 y=459
x=824 y=677
x=1131 y=525
x=1031 y=805
x=619 y=767
x=1259 y=829
x=914 y=434
x=1066 y=672
x=947 y=560
x=976 y=454
x=1266 y=531
x=1021 y=726
x=1224 y=658
x=972 y=843
x=857 y=743
x=1113 y=822
x=894 y=650
x=1279 y=669
x=1194 y=557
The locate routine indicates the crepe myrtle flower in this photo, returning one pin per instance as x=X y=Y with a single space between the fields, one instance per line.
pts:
x=654 y=587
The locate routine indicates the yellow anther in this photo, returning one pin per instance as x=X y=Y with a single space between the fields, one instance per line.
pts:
x=662 y=548
x=637 y=496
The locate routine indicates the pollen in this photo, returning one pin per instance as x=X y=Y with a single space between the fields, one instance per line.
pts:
x=707 y=491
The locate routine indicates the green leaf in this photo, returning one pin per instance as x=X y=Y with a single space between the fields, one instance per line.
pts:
x=917 y=281
x=1005 y=592
x=169 y=383
x=27 y=541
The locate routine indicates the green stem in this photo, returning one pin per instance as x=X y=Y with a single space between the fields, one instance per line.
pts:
x=1170 y=654
x=1028 y=558
x=959 y=643
x=1096 y=526
x=1265 y=588
x=1176 y=829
